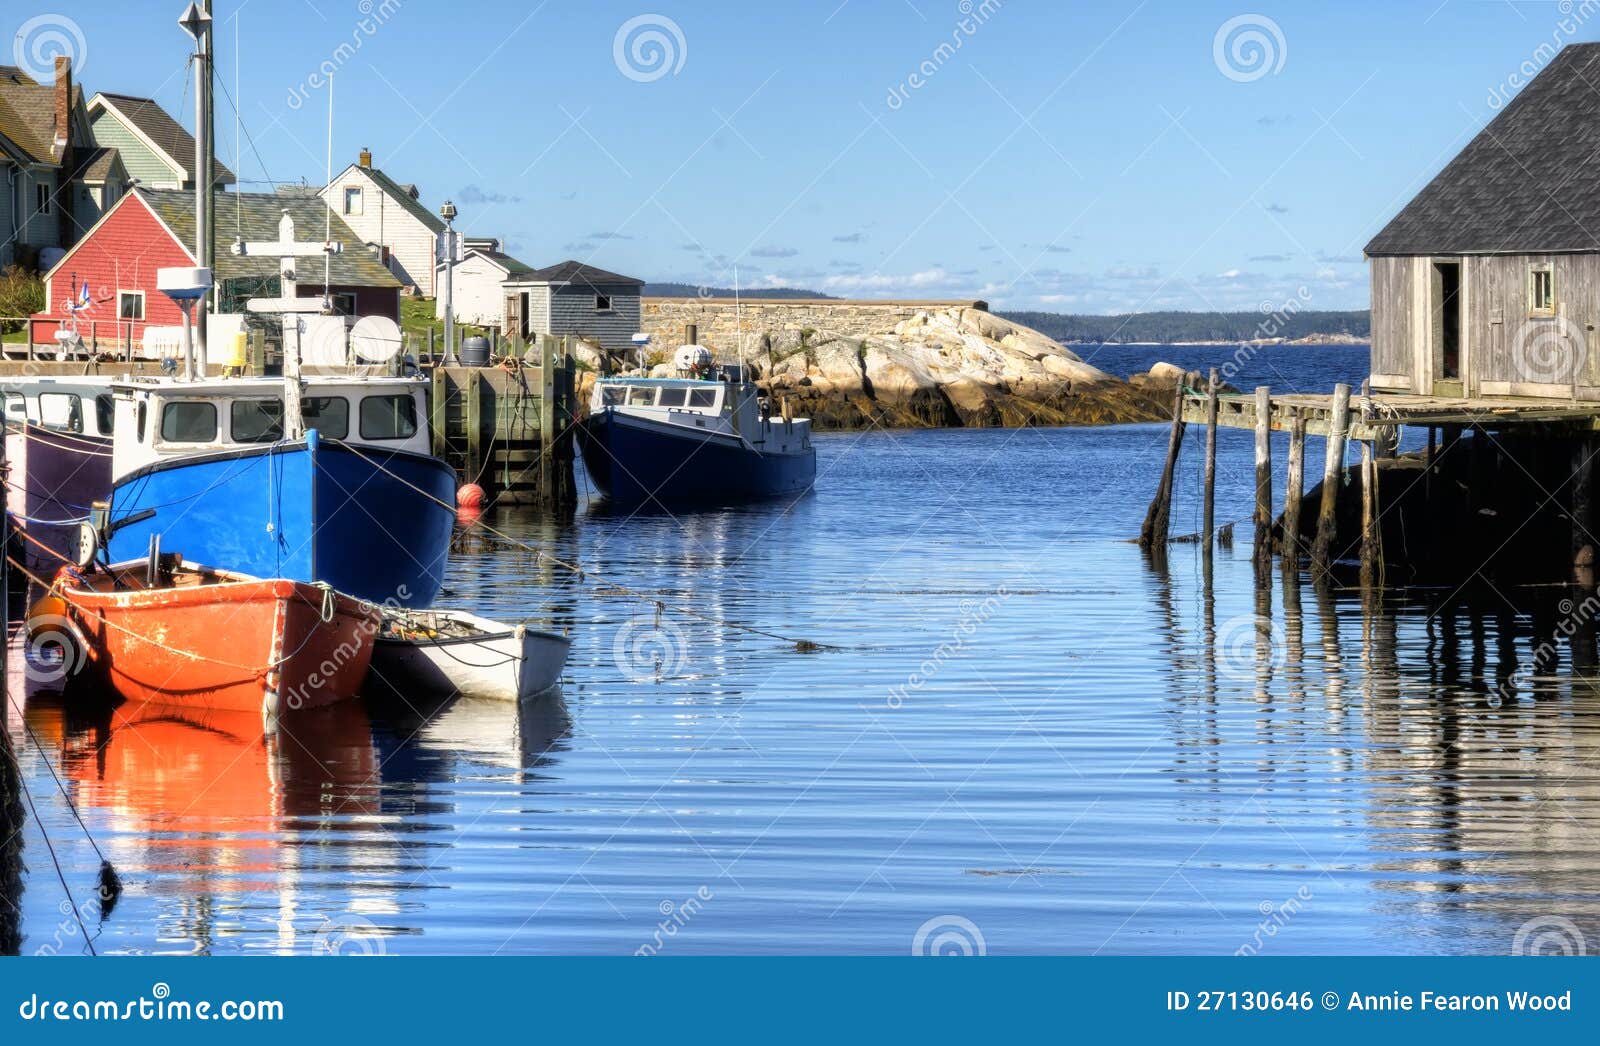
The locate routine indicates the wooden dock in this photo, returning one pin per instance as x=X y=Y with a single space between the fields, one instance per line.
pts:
x=507 y=428
x=1563 y=428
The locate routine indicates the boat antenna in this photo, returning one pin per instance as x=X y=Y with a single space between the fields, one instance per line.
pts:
x=327 y=216
x=738 y=324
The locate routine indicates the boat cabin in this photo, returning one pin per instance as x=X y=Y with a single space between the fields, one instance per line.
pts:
x=77 y=405
x=163 y=418
x=734 y=408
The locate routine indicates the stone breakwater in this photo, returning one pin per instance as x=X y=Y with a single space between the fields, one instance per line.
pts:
x=850 y=365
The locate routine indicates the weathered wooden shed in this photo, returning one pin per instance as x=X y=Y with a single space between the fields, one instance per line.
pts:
x=1488 y=282
x=573 y=298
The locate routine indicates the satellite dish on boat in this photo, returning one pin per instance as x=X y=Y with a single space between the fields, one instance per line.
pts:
x=322 y=341
x=376 y=339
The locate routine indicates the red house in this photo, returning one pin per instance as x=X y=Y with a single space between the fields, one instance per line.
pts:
x=151 y=229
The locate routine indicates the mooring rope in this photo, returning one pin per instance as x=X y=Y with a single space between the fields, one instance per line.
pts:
x=800 y=645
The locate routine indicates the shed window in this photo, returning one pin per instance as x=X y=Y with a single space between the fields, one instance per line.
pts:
x=352 y=200
x=1541 y=289
x=130 y=305
x=189 y=422
x=42 y=196
x=602 y=303
x=256 y=421
x=329 y=415
x=388 y=417
x=61 y=410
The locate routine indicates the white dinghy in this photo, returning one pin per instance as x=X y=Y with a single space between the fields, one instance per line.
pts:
x=453 y=651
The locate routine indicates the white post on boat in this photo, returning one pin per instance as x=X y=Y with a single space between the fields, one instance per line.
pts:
x=187 y=287
x=447 y=255
x=196 y=21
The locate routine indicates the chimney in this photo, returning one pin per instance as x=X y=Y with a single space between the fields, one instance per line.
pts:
x=366 y=158
x=63 y=124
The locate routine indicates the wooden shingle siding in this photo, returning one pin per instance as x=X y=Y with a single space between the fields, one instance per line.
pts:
x=141 y=162
x=572 y=311
x=1533 y=354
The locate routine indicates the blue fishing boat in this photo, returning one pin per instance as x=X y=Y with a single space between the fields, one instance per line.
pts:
x=351 y=496
x=705 y=437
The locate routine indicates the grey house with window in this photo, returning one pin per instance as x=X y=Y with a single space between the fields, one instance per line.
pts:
x=573 y=298
x=1488 y=282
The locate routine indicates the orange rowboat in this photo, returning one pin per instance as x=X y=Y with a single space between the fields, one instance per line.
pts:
x=213 y=639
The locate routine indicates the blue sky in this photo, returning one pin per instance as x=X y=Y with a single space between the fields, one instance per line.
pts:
x=1070 y=157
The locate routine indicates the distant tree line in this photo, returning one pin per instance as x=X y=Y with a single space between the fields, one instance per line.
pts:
x=1214 y=327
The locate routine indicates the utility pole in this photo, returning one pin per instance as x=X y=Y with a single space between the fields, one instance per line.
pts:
x=448 y=213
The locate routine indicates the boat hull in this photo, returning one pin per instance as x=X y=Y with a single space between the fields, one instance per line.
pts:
x=502 y=663
x=56 y=477
x=274 y=647
x=638 y=461
x=370 y=523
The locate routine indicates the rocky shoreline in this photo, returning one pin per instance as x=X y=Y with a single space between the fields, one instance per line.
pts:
x=943 y=367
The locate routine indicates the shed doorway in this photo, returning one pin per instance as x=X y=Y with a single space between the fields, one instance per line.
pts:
x=1445 y=307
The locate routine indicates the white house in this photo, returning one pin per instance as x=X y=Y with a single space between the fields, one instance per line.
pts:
x=477 y=286
x=384 y=212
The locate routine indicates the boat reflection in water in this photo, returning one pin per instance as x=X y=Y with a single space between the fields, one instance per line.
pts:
x=210 y=814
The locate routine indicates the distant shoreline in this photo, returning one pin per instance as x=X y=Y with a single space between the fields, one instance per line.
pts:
x=1310 y=340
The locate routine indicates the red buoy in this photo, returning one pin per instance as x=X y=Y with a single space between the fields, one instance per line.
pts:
x=470 y=496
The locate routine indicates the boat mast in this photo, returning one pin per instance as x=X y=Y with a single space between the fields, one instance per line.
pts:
x=196 y=21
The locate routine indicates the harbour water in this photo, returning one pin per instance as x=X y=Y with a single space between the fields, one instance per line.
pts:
x=1028 y=739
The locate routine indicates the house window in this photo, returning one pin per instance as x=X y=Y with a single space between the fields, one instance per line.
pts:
x=130 y=305
x=352 y=200
x=343 y=304
x=602 y=303
x=1541 y=289
x=42 y=195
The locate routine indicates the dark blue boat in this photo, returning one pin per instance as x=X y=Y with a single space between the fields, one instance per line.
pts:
x=368 y=515
x=676 y=441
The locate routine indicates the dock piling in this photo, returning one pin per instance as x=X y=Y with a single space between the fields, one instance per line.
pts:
x=1263 y=514
x=1294 y=495
x=1209 y=525
x=1369 y=515
x=1332 y=476
x=1157 y=519
x=1583 y=544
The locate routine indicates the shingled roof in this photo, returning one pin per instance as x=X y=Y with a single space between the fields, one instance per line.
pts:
x=1529 y=183
x=28 y=114
x=576 y=272
x=147 y=117
x=255 y=216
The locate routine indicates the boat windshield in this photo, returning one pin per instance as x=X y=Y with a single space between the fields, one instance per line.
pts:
x=641 y=396
x=702 y=397
x=673 y=397
x=613 y=395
